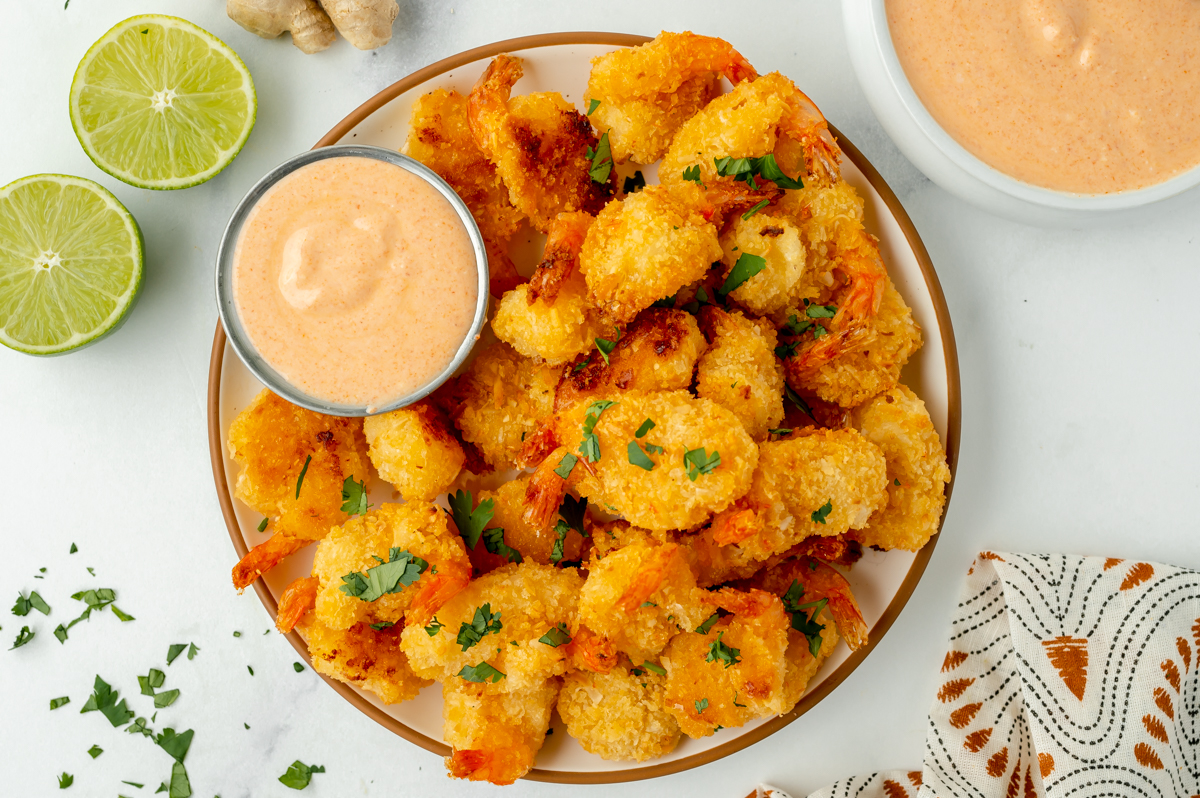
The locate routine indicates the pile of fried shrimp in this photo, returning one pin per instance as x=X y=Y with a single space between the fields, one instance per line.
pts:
x=628 y=508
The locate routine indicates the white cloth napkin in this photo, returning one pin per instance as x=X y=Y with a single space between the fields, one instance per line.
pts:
x=1066 y=677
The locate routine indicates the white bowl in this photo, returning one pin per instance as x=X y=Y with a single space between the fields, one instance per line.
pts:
x=947 y=163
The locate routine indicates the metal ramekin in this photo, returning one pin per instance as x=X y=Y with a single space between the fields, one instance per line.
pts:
x=228 y=311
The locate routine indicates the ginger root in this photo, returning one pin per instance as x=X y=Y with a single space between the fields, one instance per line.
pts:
x=366 y=24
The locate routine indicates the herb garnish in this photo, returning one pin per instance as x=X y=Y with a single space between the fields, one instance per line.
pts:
x=692 y=173
x=821 y=513
x=795 y=399
x=821 y=311
x=95 y=751
x=561 y=528
x=781 y=431
x=639 y=458
x=701 y=705
x=23 y=637
x=379 y=627
x=65 y=780
x=797 y=327
x=104 y=701
x=635 y=183
x=483 y=624
x=434 y=627
x=55 y=703
x=755 y=209
x=354 y=497
x=592 y=106
x=589 y=447
x=719 y=652
x=650 y=666
x=493 y=541
x=35 y=602
x=566 y=465
x=470 y=522
x=647 y=425
x=697 y=462
x=303 y=471
x=481 y=673
x=746 y=267
x=606 y=346
x=804 y=616
x=297 y=667
x=573 y=512
x=401 y=570
x=784 y=351
x=299 y=775
x=746 y=169
x=708 y=624
x=152 y=681
x=74 y=549
x=601 y=159
x=557 y=636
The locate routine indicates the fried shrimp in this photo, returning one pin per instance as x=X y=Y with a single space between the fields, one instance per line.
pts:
x=495 y=735
x=816 y=581
x=646 y=93
x=647 y=246
x=298 y=599
x=414 y=449
x=551 y=317
x=540 y=543
x=899 y=424
x=700 y=458
x=392 y=532
x=539 y=144
x=440 y=137
x=618 y=715
x=777 y=241
x=740 y=371
x=500 y=399
x=367 y=658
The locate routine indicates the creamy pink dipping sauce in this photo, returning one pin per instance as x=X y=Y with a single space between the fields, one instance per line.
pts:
x=356 y=280
x=1084 y=96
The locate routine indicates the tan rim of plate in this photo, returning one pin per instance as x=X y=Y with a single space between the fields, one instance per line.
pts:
x=954 y=420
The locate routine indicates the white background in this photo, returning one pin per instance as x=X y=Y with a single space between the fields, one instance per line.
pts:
x=1080 y=387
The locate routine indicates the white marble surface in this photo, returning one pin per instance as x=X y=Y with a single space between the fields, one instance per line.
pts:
x=1079 y=368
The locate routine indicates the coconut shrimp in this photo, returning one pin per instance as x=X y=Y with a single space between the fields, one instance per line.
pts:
x=541 y=543
x=716 y=563
x=440 y=137
x=539 y=144
x=646 y=93
x=898 y=423
x=619 y=715
x=777 y=241
x=415 y=450
x=551 y=316
x=740 y=371
x=816 y=581
x=364 y=657
x=495 y=734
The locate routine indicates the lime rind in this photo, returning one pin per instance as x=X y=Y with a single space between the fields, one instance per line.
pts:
x=73 y=228
x=114 y=123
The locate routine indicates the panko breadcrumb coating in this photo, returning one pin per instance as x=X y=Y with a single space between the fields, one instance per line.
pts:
x=439 y=136
x=647 y=246
x=555 y=333
x=531 y=599
x=414 y=449
x=777 y=241
x=740 y=371
x=420 y=528
x=364 y=657
x=899 y=424
x=618 y=715
x=534 y=543
x=501 y=397
x=664 y=497
x=495 y=735
x=801 y=664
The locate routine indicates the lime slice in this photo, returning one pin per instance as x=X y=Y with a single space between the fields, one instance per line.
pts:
x=160 y=103
x=70 y=263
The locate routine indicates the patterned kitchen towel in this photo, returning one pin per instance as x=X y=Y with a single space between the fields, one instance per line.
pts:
x=1066 y=677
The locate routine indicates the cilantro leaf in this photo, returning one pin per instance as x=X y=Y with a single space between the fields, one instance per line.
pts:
x=797 y=327
x=174 y=651
x=701 y=705
x=165 y=699
x=561 y=528
x=401 y=570
x=378 y=627
x=647 y=425
x=734 y=167
x=104 y=701
x=635 y=183
x=55 y=703
x=566 y=465
x=152 y=681
x=176 y=745
x=639 y=458
x=784 y=351
x=692 y=173
x=746 y=267
x=23 y=637
x=768 y=169
x=601 y=159
x=303 y=471
x=180 y=786
x=481 y=673
x=820 y=312
x=299 y=775
x=582 y=364
x=193 y=650
x=24 y=605
x=590 y=446
x=74 y=549
x=298 y=668
x=470 y=522
x=606 y=346
x=756 y=208
x=493 y=541
x=719 y=652
x=483 y=624
x=139 y=727
x=592 y=106
x=262 y=525
x=708 y=624
x=65 y=780
x=60 y=632
x=820 y=514
x=95 y=751
x=780 y=431
x=650 y=666
x=434 y=627
x=697 y=462
x=354 y=496
x=804 y=616
x=557 y=636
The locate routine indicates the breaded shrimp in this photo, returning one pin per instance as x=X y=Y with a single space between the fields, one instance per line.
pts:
x=551 y=317
x=538 y=143
x=618 y=715
x=367 y=658
x=647 y=92
x=677 y=493
x=495 y=735
x=529 y=599
x=657 y=351
x=817 y=581
x=298 y=599
x=440 y=137
x=823 y=483
x=610 y=536
x=535 y=543
x=777 y=241
x=640 y=596
x=716 y=563
x=500 y=399
x=419 y=528
x=647 y=246
x=898 y=423
x=740 y=371
x=802 y=665
x=414 y=449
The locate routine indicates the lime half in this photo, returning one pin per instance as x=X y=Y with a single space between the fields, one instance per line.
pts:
x=70 y=263
x=160 y=103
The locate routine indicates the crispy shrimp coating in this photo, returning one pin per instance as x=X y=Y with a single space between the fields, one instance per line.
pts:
x=716 y=563
x=495 y=735
x=366 y=658
x=817 y=581
x=777 y=241
x=618 y=715
x=539 y=145
x=657 y=351
x=735 y=672
x=612 y=535
x=899 y=424
x=675 y=493
x=740 y=371
x=529 y=600
x=640 y=596
x=361 y=543
x=824 y=483
x=802 y=664
x=500 y=399
x=647 y=246
x=647 y=92
x=272 y=440
x=414 y=449
x=440 y=137
x=535 y=543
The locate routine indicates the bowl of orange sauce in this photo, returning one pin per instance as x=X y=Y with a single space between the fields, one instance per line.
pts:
x=1051 y=112
x=352 y=280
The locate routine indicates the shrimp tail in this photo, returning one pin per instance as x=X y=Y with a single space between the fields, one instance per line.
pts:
x=545 y=491
x=648 y=579
x=564 y=241
x=297 y=600
x=487 y=104
x=591 y=651
x=263 y=557
x=436 y=589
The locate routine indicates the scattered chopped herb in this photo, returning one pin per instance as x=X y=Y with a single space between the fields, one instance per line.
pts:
x=247 y=725
x=784 y=351
x=379 y=627
x=60 y=632
x=193 y=650
x=303 y=471
x=590 y=446
x=493 y=541
x=483 y=624
x=74 y=548
x=692 y=173
x=795 y=399
x=735 y=701
x=650 y=666
x=719 y=652
x=636 y=671
x=97 y=600
x=90 y=571
x=566 y=465
x=701 y=705
x=104 y=700
x=151 y=681
x=23 y=637
x=470 y=522
x=34 y=601
x=401 y=570
x=821 y=513
x=697 y=462
x=165 y=699
x=821 y=311
x=557 y=636
x=237 y=634
x=250 y=669
x=639 y=458
x=755 y=209
x=647 y=425
x=176 y=745
x=606 y=346
x=781 y=431
x=601 y=159
x=95 y=751
x=55 y=703
x=804 y=615
x=561 y=528
x=708 y=624
x=139 y=727
x=797 y=327
x=768 y=169
x=180 y=786
x=354 y=496
x=262 y=525
x=434 y=627
x=746 y=169
x=481 y=673
x=581 y=366
x=635 y=183
x=65 y=780
x=896 y=482
x=134 y=784
x=746 y=267
x=592 y=106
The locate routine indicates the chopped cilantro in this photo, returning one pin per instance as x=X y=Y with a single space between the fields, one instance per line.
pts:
x=176 y=745
x=635 y=183
x=755 y=209
x=354 y=496
x=896 y=482
x=601 y=159
x=379 y=627
x=796 y=327
x=298 y=668
x=821 y=311
x=65 y=780
x=566 y=465
x=303 y=471
x=104 y=701
x=650 y=666
x=152 y=681
x=493 y=541
x=55 y=703
x=262 y=525
x=97 y=600
x=804 y=615
x=95 y=751
x=701 y=705
x=23 y=637
x=735 y=701
x=299 y=775
x=697 y=462
x=719 y=652
x=134 y=784
x=60 y=632
x=34 y=601
x=481 y=673
x=165 y=699
x=193 y=650
x=647 y=425
x=692 y=173
x=606 y=346
x=237 y=634
x=434 y=627
x=483 y=624
x=590 y=446
x=557 y=636
x=768 y=169
x=746 y=169
x=573 y=512
x=401 y=570
x=180 y=786
x=708 y=624
x=251 y=669
x=581 y=365
x=746 y=267
x=784 y=351
x=74 y=549
x=821 y=513
x=781 y=431
x=592 y=106
x=666 y=302
x=795 y=399
x=561 y=528
x=639 y=458
x=139 y=727
x=470 y=522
